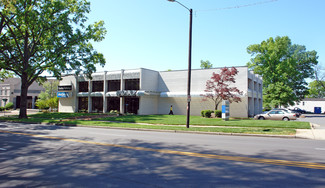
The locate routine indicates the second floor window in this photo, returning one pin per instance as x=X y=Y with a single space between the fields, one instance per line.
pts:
x=83 y=86
x=98 y=86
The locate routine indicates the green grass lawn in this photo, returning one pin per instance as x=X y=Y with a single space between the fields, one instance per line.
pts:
x=197 y=120
x=248 y=126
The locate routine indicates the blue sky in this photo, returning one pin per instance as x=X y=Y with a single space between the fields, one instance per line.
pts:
x=153 y=34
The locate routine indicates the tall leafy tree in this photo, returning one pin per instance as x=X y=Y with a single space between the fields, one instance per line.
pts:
x=285 y=65
x=206 y=64
x=320 y=77
x=47 y=36
x=218 y=87
x=316 y=89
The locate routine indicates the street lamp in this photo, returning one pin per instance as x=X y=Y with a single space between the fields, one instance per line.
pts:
x=189 y=66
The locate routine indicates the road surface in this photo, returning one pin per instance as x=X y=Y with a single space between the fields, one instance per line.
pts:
x=33 y=155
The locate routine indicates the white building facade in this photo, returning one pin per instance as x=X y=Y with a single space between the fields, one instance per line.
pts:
x=314 y=105
x=143 y=91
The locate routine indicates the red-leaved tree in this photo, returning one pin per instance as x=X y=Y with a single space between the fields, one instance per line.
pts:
x=218 y=87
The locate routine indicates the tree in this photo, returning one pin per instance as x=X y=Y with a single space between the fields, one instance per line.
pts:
x=316 y=89
x=47 y=36
x=285 y=65
x=48 y=99
x=320 y=76
x=218 y=87
x=205 y=64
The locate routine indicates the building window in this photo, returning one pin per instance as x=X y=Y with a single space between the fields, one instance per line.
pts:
x=114 y=85
x=132 y=84
x=98 y=86
x=83 y=104
x=97 y=104
x=113 y=103
x=83 y=87
x=131 y=105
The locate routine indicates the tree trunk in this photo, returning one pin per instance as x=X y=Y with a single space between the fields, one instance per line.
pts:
x=216 y=106
x=23 y=97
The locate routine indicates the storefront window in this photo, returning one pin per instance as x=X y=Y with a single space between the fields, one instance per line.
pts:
x=83 y=104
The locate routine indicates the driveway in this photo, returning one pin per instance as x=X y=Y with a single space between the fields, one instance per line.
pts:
x=318 y=119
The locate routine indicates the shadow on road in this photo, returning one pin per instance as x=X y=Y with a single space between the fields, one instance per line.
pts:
x=33 y=162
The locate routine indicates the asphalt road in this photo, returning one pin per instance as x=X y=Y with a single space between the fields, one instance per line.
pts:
x=56 y=156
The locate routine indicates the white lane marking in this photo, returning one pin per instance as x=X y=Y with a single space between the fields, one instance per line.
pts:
x=3 y=149
x=320 y=149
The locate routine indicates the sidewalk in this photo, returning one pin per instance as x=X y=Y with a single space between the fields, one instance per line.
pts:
x=317 y=132
x=16 y=112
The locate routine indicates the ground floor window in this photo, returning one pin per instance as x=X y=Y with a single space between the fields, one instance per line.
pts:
x=29 y=102
x=113 y=103
x=97 y=104
x=131 y=105
x=83 y=104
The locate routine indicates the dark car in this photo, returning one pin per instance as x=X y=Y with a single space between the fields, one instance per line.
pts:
x=299 y=110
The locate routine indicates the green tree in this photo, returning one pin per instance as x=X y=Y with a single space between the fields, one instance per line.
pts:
x=47 y=36
x=4 y=75
x=316 y=89
x=285 y=65
x=205 y=64
x=320 y=76
x=48 y=98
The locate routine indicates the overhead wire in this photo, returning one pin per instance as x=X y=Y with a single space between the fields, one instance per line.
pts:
x=237 y=6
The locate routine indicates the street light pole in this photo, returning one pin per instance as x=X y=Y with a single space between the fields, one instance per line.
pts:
x=189 y=66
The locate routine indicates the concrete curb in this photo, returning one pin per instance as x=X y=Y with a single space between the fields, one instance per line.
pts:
x=188 y=132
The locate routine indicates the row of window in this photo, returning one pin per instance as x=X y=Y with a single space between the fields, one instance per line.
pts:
x=257 y=86
x=112 y=85
x=4 y=92
x=131 y=104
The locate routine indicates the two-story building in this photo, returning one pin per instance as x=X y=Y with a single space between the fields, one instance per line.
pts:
x=10 y=89
x=143 y=91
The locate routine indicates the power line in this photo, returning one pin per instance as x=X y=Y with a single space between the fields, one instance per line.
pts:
x=238 y=6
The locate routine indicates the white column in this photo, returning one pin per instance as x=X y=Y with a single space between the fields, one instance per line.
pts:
x=76 y=102
x=122 y=88
x=89 y=97
x=33 y=102
x=104 y=95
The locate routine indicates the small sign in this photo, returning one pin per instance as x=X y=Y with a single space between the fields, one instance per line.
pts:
x=65 y=88
x=63 y=94
x=189 y=98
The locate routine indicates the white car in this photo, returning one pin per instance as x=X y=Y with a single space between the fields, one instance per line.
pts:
x=277 y=114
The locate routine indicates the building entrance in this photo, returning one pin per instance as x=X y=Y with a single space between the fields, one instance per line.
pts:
x=131 y=105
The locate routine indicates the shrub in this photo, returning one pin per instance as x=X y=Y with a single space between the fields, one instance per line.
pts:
x=1 y=108
x=9 y=105
x=218 y=113
x=207 y=113
x=202 y=113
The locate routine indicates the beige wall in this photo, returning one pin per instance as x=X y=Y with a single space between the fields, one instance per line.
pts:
x=69 y=104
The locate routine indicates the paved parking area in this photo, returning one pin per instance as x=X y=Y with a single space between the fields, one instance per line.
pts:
x=318 y=119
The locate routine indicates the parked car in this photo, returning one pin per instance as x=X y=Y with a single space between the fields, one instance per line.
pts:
x=289 y=111
x=277 y=114
x=301 y=111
